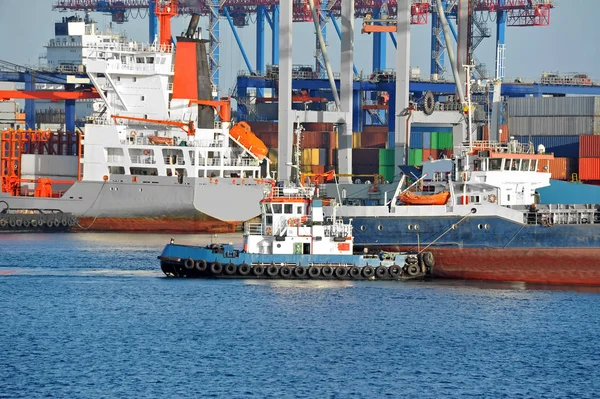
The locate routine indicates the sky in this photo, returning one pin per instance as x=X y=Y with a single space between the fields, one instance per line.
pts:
x=569 y=44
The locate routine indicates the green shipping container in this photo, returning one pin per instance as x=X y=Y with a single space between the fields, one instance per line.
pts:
x=386 y=157
x=435 y=141
x=415 y=157
x=388 y=172
x=445 y=141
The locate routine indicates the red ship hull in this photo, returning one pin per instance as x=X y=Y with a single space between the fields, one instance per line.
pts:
x=565 y=266
x=156 y=225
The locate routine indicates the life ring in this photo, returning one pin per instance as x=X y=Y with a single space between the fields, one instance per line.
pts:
x=146 y=152
x=492 y=198
x=292 y=222
x=269 y=231
x=133 y=133
x=3 y=223
x=233 y=181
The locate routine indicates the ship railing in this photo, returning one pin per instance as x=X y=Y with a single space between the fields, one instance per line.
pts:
x=131 y=47
x=171 y=160
x=143 y=159
x=253 y=229
x=558 y=216
x=292 y=192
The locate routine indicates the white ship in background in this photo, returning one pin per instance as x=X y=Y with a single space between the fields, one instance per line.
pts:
x=153 y=158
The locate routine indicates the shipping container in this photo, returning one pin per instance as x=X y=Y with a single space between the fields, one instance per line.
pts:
x=434 y=154
x=375 y=129
x=386 y=157
x=430 y=128
x=373 y=140
x=560 y=168
x=589 y=169
x=365 y=156
x=554 y=106
x=445 y=140
x=368 y=169
x=262 y=127
x=560 y=146
x=426 y=140
x=435 y=141
x=415 y=157
x=318 y=126
x=356 y=140
x=416 y=140
x=388 y=172
x=554 y=125
x=589 y=146
x=323 y=157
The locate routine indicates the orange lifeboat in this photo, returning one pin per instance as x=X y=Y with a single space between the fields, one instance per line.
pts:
x=410 y=198
x=158 y=140
x=242 y=133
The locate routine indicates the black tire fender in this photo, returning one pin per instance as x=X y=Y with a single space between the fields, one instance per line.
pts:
x=189 y=263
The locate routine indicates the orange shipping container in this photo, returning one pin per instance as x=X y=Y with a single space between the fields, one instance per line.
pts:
x=374 y=140
x=560 y=168
x=434 y=154
x=589 y=169
x=589 y=146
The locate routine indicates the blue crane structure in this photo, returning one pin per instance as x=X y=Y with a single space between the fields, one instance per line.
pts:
x=238 y=13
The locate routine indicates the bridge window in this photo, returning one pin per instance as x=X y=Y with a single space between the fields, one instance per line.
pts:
x=299 y=210
x=116 y=170
x=288 y=209
x=525 y=165
x=495 y=164
x=268 y=208
x=533 y=166
x=277 y=208
x=507 y=164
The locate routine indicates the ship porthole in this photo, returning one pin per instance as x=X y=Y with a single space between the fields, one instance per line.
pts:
x=480 y=226
x=278 y=245
x=454 y=227
x=416 y=227
x=140 y=190
x=362 y=228
x=410 y=227
x=486 y=226
x=380 y=227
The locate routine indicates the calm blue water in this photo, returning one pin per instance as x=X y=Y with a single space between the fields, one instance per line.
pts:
x=90 y=315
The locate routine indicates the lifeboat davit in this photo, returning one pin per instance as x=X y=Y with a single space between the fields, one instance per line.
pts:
x=242 y=133
x=410 y=198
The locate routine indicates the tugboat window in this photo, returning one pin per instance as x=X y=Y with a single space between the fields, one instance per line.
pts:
x=269 y=210
x=288 y=209
x=299 y=210
x=277 y=208
x=525 y=165
x=533 y=166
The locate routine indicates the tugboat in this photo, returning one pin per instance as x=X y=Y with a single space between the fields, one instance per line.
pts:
x=294 y=241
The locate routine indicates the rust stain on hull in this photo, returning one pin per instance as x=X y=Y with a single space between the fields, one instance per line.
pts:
x=156 y=225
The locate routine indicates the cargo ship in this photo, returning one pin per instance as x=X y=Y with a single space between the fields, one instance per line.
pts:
x=158 y=154
x=491 y=226
x=294 y=241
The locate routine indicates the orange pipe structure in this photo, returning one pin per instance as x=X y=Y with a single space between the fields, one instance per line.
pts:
x=47 y=95
x=223 y=107
x=165 y=10
x=191 y=130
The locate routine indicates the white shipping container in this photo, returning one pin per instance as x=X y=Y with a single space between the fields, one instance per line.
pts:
x=554 y=106
x=554 y=126
x=56 y=166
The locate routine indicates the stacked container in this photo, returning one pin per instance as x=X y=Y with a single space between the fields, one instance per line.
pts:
x=365 y=161
x=387 y=166
x=589 y=158
x=554 y=116
x=426 y=142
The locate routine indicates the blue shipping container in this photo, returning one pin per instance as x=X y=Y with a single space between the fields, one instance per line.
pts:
x=560 y=146
x=421 y=129
x=416 y=140
x=427 y=140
